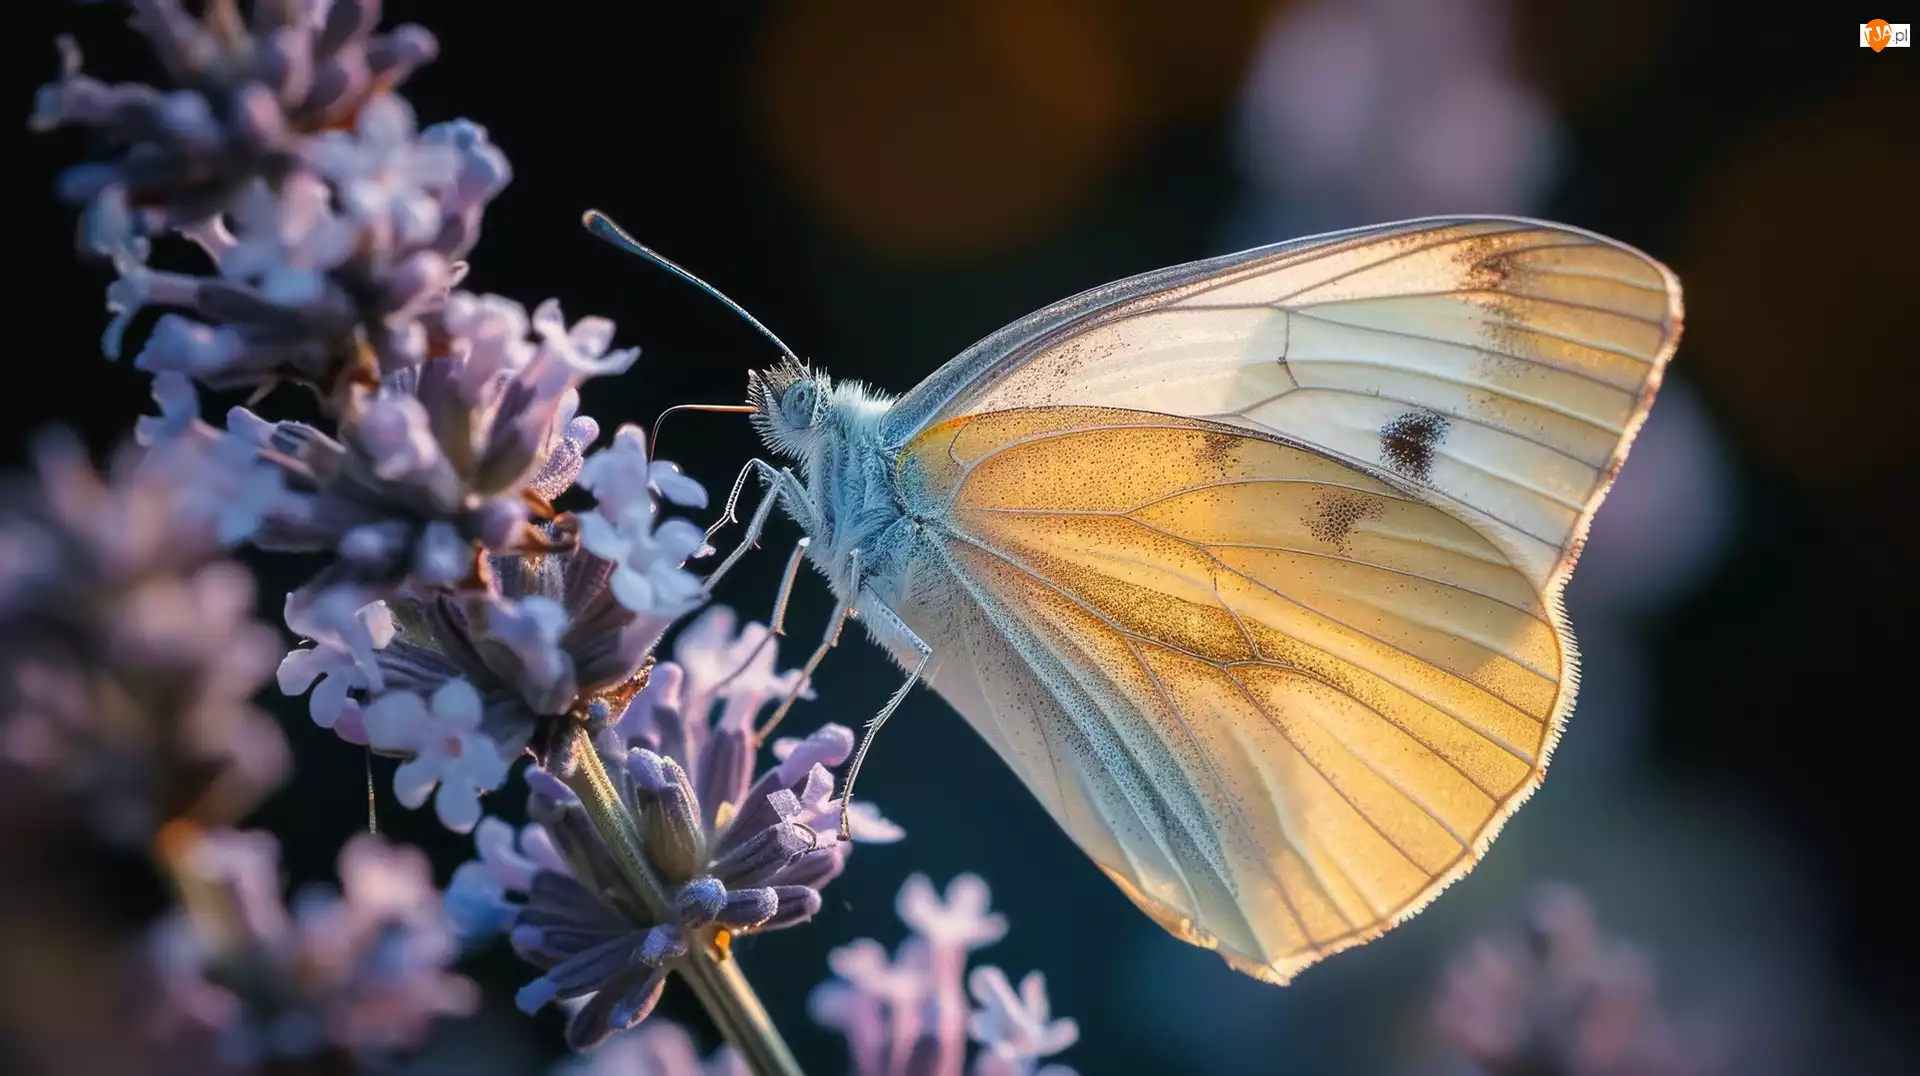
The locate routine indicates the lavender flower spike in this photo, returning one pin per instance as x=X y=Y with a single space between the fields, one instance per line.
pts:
x=596 y=936
x=431 y=469
x=333 y=225
x=544 y=640
x=738 y=854
x=546 y=644
x=127 y=653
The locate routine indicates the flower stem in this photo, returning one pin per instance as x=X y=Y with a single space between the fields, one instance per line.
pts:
x=716 y=978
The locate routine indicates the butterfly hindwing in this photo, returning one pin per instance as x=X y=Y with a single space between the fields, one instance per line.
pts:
x=1280 y=699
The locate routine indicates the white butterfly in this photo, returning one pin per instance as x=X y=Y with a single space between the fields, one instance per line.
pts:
x=1251 y=568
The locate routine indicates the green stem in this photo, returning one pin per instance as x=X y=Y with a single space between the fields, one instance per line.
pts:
x=716 y=979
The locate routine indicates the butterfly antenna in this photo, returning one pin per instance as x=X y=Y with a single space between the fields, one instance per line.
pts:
x=603 y=226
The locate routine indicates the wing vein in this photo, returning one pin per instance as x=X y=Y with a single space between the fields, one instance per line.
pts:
x=1331 y=783
x=1470 y=294
x=1240 y=816
x=1389 y=259
x=1477 y=349
x=1154 y=831
x=1587 y=420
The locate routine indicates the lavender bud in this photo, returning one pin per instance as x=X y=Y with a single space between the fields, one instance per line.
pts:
x=700 y=900
x=797 y=904
x=661 y=944
x=764 y=854
x=759 y=811
x=749 y=909
x=548 y=797
x=670 y=824
x=725 y=769
x=816 y=868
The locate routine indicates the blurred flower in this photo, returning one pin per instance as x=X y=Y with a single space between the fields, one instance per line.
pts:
x=249 y=91
x=1017 y=1029
x=909 y=1014
x=179 y=410
x=248 y=981
x=1388 y=109
x=659 y=1049
x=1555 y=996
x=738 y=854
x=127 y=652
x=959 y=923
x=476 y=900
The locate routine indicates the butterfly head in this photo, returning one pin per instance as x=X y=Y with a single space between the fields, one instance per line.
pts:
x=790 y=403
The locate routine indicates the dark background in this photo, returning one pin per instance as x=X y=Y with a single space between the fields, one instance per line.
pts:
x=884 y=183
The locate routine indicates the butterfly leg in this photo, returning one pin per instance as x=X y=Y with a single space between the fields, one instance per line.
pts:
x=889 y=619
x=776 y=623
x=842 y=609
x=782 y=482
x=733 y=497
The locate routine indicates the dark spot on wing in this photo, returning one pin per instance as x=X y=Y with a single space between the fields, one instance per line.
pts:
x=1336 y=514
x=1493 y=276
x=1484 y=262
x=1215 y=448
x=1407 y=442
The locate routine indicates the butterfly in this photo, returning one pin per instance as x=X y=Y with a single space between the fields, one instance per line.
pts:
x=1250 y=568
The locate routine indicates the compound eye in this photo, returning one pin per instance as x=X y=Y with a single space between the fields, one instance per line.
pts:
x=798 y=404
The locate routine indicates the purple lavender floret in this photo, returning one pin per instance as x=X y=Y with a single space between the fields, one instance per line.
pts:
x=545 y=641
x=359 y=974
x=907 y=1015
x=128 y=655
x=739 y=854
x=462 y=449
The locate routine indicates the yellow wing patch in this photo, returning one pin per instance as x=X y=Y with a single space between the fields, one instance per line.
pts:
x=1283 y=700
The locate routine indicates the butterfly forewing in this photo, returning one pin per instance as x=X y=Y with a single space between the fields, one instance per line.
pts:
x=1251 y=568
x=1499 y=365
